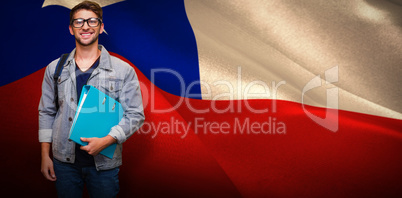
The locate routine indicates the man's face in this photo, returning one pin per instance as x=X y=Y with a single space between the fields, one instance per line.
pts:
x=86 y=35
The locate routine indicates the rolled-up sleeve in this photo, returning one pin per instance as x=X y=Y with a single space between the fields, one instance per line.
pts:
x=47 y=108
x=131 y=101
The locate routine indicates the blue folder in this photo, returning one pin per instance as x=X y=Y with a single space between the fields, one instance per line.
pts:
x=96 y=114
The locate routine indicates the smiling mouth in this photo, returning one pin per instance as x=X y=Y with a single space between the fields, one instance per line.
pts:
x=86 y=34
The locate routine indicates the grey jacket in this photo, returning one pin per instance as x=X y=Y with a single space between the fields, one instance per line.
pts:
x=114 y=77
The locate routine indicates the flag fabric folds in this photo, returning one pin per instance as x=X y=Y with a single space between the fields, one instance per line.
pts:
x=241 y=98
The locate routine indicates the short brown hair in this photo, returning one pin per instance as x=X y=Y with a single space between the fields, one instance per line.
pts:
x=87 y=5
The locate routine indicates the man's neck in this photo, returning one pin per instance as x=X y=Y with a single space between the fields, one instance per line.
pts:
x=87 y=53
x=85 y=56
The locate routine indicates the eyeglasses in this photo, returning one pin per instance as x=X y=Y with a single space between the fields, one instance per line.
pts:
x=92 y=22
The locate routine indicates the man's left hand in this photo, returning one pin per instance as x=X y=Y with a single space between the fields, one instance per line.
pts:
x=96 y=145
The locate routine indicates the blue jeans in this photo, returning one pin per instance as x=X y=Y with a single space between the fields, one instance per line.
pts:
x=71 y=178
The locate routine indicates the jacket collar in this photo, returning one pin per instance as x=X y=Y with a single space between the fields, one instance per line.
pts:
x=104 y=62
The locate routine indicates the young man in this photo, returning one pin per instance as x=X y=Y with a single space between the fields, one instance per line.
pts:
x=89 y=63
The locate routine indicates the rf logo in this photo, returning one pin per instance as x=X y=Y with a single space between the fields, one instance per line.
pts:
x=330 y=121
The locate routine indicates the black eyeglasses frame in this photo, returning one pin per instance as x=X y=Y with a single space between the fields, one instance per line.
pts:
x=86 y=20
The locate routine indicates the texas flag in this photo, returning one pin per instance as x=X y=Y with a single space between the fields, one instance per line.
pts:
x=242 y=98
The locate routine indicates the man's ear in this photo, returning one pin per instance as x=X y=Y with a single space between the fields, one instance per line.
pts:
x=101 y=28
x=71 y=30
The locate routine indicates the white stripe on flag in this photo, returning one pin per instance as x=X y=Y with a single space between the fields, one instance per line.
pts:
x=254 y=46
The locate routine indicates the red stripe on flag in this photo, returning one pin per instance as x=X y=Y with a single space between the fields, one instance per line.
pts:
x=222 y=154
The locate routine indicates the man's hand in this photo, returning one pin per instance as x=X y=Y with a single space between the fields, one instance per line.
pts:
x=47 y=163
x=47 y=169
x=96 y=145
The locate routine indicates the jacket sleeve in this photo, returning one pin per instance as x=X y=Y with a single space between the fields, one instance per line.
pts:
x=47 y=107
x=131 y=100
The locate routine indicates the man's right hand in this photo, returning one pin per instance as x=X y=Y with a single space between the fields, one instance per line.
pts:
x=47 y=163
x=47 y=169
